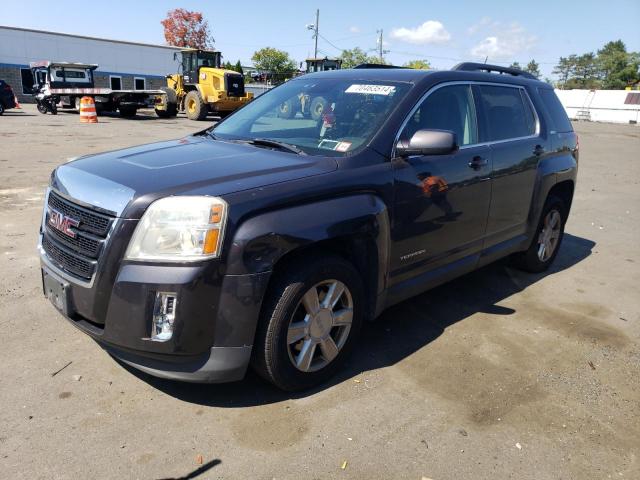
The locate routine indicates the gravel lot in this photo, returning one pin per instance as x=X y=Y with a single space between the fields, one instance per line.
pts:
x=499 y=374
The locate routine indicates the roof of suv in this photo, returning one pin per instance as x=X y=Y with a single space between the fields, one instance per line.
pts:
x=414 y=76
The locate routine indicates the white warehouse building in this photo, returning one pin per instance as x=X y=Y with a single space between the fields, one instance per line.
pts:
x=122 y=65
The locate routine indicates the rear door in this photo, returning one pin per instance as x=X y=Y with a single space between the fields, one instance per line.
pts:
x=510 y=126
x=441 y=201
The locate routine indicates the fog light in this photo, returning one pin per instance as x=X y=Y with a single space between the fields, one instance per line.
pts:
x=164 y=316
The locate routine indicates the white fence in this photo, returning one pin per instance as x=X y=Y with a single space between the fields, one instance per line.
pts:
x=601 y=105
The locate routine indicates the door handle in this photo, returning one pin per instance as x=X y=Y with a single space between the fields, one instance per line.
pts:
x=478 y=162
x=538 y=150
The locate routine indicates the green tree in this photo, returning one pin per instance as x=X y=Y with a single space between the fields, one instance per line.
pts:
x=533 y=68
x=274 y=61
x=418 y=64
x=238 y=68
x=356 y=56
x=618 y=68
x=515 y=65
x=585 y=72
x=565 y=69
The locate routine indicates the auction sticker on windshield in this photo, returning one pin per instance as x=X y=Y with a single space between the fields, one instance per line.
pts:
x=371 y=89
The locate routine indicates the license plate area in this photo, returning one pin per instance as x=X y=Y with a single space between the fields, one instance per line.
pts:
x=57 y=291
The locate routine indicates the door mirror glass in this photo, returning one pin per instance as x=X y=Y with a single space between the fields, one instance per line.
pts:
x=428 y=142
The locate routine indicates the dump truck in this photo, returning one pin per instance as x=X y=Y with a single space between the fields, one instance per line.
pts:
x=310 y=106
x=63 y=84
x=202 y=87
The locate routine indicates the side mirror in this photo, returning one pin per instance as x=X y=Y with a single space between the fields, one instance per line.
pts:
x=428 y=142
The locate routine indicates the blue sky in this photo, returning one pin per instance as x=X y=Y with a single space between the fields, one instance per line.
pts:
x=442 y=32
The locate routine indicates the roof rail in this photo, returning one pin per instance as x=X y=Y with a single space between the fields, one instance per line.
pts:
x=375 y=65
x=485 y=67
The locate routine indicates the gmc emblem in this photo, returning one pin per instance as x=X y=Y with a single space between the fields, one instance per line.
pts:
x=61 y=222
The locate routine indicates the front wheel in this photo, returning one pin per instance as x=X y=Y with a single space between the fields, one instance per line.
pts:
x=1 y=108
x=195 y=106
x=42 y=108
x=547 y=239
x=309 y=322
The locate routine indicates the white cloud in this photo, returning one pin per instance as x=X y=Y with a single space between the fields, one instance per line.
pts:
x=503 y=42
x=354 y=29
x=430 y=32
x=481 y=25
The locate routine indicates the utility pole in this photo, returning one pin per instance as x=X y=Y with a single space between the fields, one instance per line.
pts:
x=380 y=44
x=314 y=27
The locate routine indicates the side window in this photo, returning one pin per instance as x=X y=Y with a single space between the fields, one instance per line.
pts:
x=507 y=113
x=447 y=108
x=555 y=109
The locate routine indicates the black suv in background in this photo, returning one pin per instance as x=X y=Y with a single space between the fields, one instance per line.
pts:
x=7 y=97
x=267 y=240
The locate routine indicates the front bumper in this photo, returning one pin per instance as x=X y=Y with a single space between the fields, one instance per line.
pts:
x=220 y=364
x=215 y=324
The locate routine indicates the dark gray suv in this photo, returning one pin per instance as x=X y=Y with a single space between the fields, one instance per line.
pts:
x=266 y=241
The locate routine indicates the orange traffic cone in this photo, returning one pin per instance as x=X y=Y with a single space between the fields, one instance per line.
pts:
x=88 y=110
x=15 y=100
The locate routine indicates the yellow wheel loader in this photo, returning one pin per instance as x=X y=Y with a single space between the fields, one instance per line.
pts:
x=309 y=106
x=202 y=87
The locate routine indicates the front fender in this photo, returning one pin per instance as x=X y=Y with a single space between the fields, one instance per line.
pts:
x=261 y=241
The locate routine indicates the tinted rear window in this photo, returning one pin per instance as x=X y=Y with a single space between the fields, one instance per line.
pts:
x=506 y=114
x=555 y=109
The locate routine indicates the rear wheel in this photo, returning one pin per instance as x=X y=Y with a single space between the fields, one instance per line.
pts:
x=127 y=111
x=286 y=109
x=547 y=239
x=171 y=108
x=308 y=323
x=317 y=107
x=1 y=108
x=195 y=107
x=76 y=104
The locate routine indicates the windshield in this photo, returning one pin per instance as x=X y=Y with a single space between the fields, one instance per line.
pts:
x=207 y=60
x=318 y=116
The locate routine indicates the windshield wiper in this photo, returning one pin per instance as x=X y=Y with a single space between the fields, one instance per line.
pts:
x=267 y=142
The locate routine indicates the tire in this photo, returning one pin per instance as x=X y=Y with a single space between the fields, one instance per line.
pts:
x=127 y=112
x=76 y=104
x=195 y=107
x=172 y=103
x=42 y=108
x=1 y=108
x=317 y=107
x=286 y=109
x=162 y=113
x=274 y=357
x=532 y=260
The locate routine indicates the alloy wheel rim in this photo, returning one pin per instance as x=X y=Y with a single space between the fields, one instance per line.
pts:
x=320 y=325
x=549 y=235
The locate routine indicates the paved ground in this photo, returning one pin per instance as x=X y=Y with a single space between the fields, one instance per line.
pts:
x=496 y=375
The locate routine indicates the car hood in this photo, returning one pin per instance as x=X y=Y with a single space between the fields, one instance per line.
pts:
x=142 y=174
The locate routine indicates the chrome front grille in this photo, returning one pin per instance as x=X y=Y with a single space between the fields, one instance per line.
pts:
x=77 y=255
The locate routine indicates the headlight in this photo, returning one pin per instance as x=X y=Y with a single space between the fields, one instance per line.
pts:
x=179 y=229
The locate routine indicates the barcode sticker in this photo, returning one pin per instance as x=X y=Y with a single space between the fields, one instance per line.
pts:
x=371 y=89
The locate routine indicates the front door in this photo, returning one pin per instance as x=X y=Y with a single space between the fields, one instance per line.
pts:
x=441 y=201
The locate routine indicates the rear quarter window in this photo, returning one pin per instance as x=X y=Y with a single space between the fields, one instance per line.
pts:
x=507 y=113
x=560 y=121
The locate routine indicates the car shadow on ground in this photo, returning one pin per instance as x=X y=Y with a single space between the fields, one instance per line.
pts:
x=397 y=333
